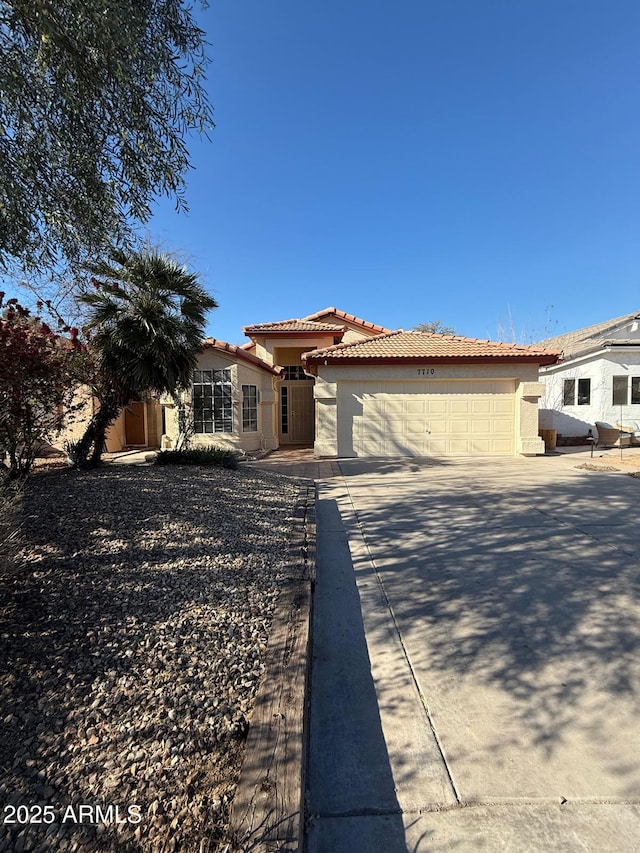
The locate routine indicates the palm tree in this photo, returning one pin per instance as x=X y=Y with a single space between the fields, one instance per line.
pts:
x=146 y=318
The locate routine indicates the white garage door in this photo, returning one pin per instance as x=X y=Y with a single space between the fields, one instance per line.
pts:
x=435 y=418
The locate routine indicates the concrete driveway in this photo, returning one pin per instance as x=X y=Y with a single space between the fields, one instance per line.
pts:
x=476 y=667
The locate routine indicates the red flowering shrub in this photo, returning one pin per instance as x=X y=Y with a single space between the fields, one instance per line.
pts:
x=36 y=383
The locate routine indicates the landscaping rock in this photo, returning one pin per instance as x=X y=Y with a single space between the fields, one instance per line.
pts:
x=133 y=626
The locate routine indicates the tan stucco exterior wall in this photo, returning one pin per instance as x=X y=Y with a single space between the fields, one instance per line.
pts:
x=267 y=347
x=154 y=423
x=81 y=411
x=83 y=406
x=288 y=356
x=242 y=373
x=528 y=393
x=115 y=438
x=352 y=335
x=524 y=376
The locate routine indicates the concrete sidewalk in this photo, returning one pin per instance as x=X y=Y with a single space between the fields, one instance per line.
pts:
x=475 y=677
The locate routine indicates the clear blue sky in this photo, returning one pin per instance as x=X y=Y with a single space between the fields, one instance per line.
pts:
x=472 y=162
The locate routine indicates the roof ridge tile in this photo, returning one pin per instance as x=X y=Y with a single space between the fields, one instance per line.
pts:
x=414 y=345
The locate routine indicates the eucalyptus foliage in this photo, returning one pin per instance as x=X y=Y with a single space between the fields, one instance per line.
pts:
x=96 y=99
x=434 y=327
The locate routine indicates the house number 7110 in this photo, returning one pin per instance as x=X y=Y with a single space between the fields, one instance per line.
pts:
x=426 y=371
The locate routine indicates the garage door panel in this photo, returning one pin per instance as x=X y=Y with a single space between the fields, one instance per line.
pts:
x=455 y=418
x=502 y=426
x=440 y=427
x=372 y=448
x=395 y=405
x=480 y=426
x=437 y=447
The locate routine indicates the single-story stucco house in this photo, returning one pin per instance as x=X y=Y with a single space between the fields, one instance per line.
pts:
x=598 y=378
x=352 y=388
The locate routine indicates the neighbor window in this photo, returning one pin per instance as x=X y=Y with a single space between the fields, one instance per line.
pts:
x=249 y=408
x=569 y=392
x=620 y=391
x=584 y=392
x=635 y=390
x=212 y=401
x=583 y=387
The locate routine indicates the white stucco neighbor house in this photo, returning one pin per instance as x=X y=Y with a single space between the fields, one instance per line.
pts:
x=598 y=378
x=351 y=388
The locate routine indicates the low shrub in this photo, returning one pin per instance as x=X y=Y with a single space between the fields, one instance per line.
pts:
x=210 y=455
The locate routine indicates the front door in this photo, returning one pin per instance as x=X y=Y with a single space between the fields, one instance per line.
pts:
x=296 y=413
x=134 y=425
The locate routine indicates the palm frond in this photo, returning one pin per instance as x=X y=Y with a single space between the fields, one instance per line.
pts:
x=148 y=315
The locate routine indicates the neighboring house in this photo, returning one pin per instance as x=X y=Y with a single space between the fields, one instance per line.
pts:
x=598 y=378
x=352 y=388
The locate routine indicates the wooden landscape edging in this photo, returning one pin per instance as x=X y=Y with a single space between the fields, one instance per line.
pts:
x=267 y=811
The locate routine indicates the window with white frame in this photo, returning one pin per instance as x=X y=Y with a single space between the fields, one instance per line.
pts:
x=212 y=401
x=249 y=408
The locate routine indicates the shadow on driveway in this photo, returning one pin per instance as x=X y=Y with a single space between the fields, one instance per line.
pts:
x=349 y=773
x=515 y=589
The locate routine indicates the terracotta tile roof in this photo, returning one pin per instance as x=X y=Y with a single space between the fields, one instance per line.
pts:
x=289 y=326
x=348 y=318
x=242 y=354
x=411 y=346
x=591 y=338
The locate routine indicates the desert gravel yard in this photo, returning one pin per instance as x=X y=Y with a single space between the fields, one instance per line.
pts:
x=133 y=626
